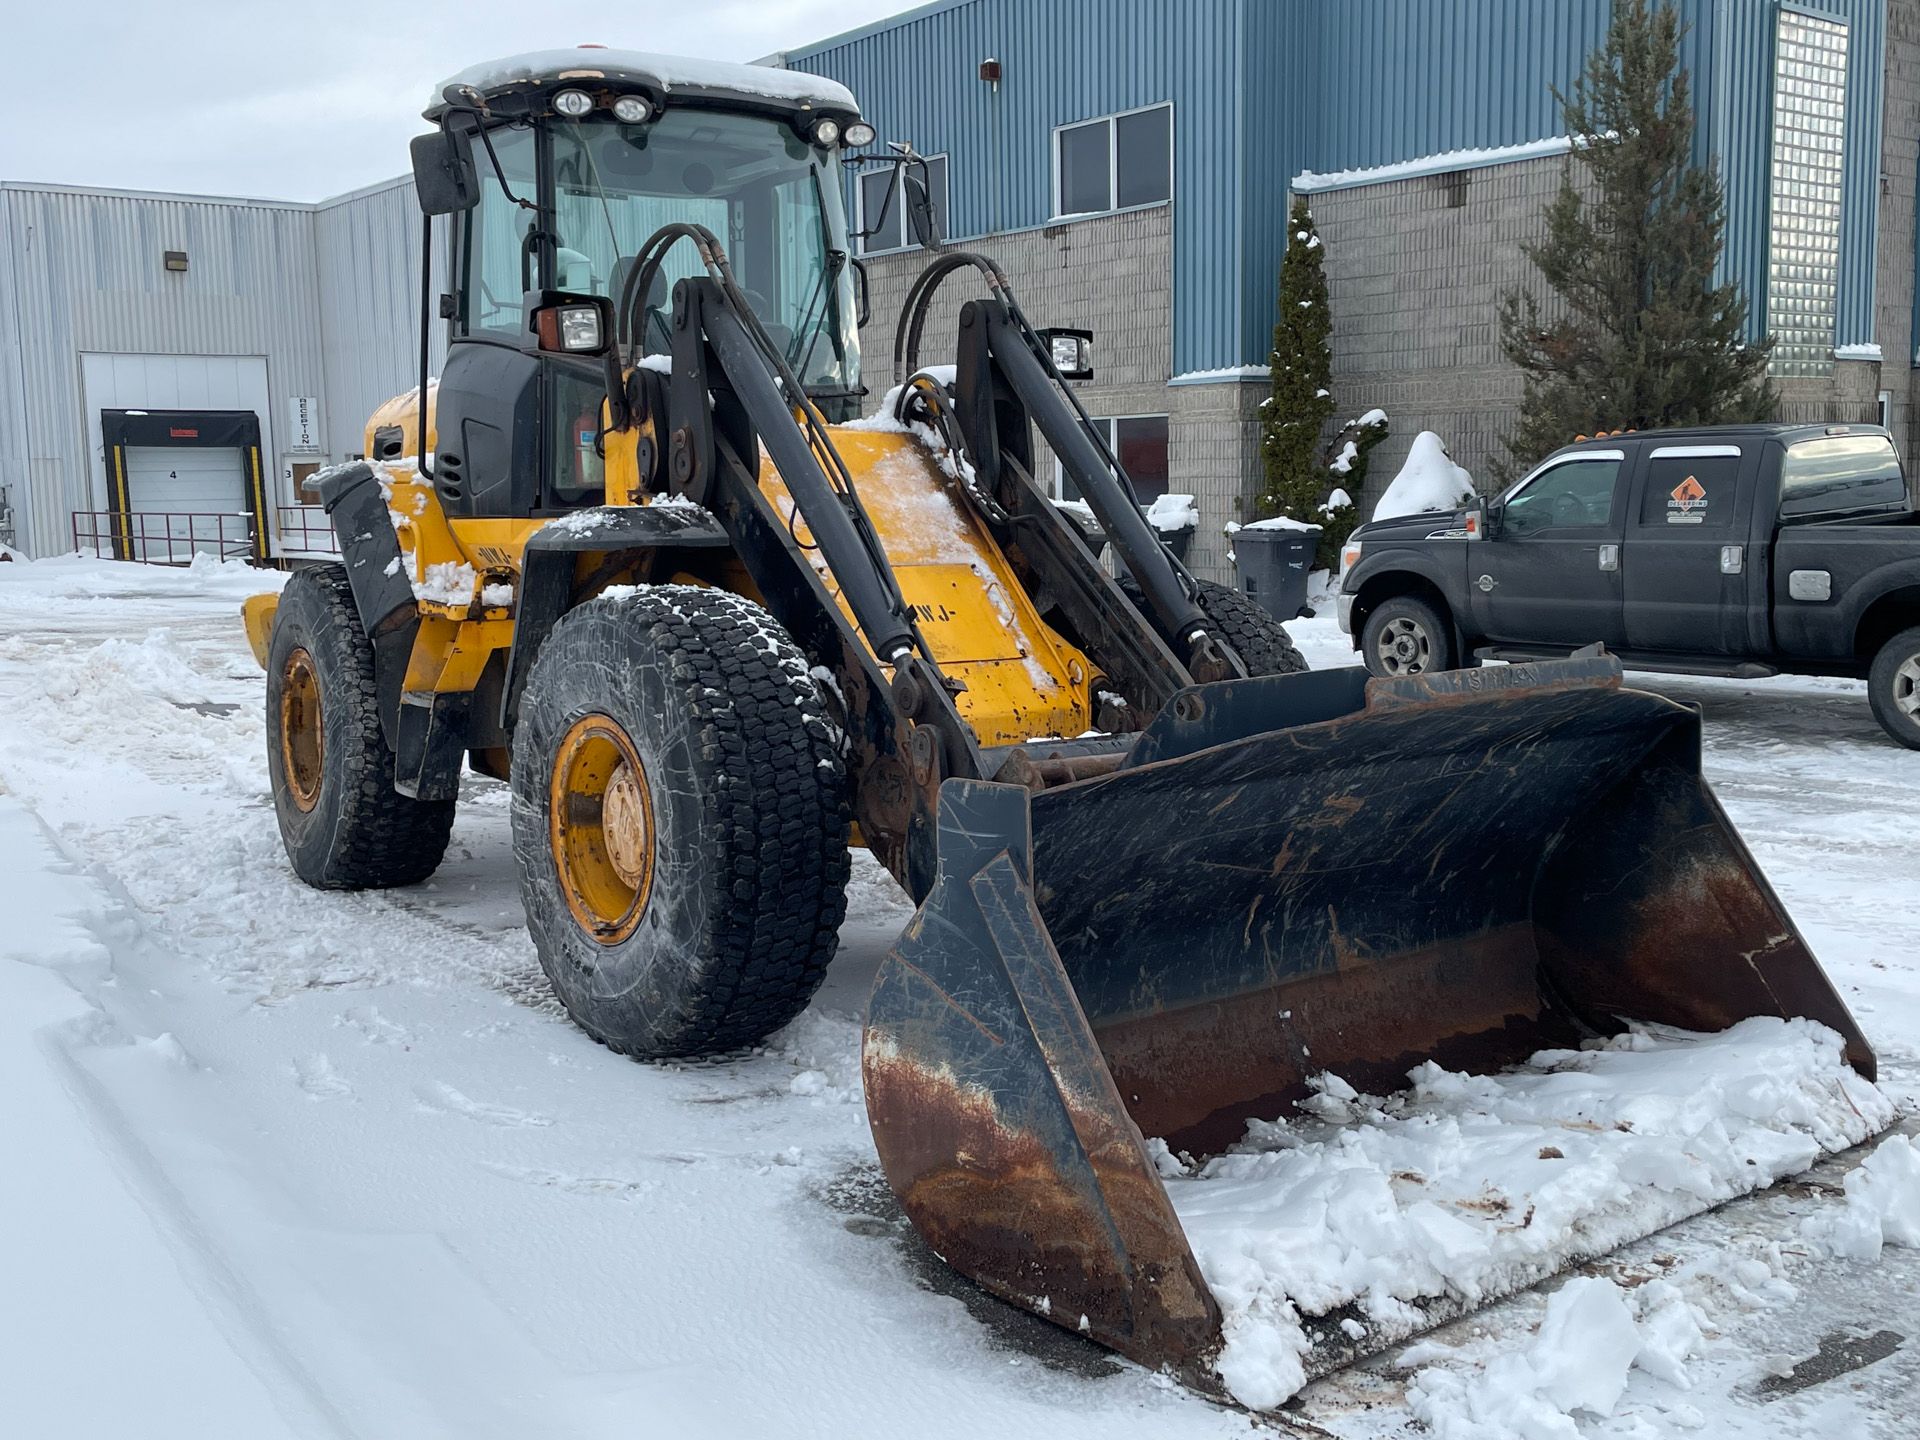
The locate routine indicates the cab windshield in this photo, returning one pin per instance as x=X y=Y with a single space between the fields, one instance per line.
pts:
x=773 y=199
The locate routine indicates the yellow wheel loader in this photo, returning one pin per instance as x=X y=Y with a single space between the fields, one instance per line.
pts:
x=635 y=554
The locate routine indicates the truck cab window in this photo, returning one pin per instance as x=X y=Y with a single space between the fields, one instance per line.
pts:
x=1841 y=475
x=1577 y=495
x=1690 y=490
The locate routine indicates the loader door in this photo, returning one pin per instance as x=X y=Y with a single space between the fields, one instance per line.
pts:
x=1551 y=575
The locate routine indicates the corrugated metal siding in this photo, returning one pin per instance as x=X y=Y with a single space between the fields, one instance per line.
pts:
x=368 y=246
x=13 y=402
x=1327 y=85
x=919 y=80
x=88 y=277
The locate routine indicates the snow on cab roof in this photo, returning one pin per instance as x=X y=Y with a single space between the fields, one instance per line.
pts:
x=666 y=74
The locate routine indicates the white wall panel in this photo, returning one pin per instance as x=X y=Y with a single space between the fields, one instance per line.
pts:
x=170 y=382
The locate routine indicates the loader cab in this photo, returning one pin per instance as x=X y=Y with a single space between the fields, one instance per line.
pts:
x=578 y=158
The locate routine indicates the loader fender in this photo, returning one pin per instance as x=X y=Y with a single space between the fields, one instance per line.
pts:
x=256 y=615
x=382 y=585
x=547 y=589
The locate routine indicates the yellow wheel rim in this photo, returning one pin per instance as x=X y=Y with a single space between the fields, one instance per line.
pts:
x=600 y=819
x=302 y=732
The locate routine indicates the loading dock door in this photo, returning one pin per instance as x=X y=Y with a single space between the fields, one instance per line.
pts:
x=184 y=482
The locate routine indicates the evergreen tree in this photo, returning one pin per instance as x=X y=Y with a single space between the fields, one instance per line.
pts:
x=1637 y=335
x=1292 y=417
x=1299 y=477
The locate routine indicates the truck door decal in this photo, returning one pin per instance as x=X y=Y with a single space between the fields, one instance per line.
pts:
x=1684 y=499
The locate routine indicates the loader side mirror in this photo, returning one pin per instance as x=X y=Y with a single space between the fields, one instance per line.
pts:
x=444 y=178
x=921 y=219
x=862 y=294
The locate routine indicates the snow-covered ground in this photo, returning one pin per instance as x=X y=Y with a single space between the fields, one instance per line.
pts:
x=290 y=1163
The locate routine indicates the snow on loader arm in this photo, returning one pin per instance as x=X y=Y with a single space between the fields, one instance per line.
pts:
x=1289 y=876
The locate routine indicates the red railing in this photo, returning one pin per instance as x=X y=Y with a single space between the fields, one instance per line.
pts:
x=162 y=537
x=306 y=530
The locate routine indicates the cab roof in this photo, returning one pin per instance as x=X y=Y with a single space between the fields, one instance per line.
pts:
x=660 y=76
x=1680 y=434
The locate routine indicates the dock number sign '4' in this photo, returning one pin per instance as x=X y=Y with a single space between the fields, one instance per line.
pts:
x=1687 y=502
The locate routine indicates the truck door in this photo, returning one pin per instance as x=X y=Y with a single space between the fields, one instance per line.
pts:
x=1550 y=576
x=1686 y=557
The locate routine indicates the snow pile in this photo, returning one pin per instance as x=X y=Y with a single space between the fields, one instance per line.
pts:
x=1882 y=1205
x=1272 y=522
x=1465 y=1187
x=1428 y=481
x=1594 y=1333
x=1170 y=514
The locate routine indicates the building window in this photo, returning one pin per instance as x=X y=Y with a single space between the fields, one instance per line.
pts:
x=1809 y=143
x=1139 y=443
x=1119 y=162
x=882 y=203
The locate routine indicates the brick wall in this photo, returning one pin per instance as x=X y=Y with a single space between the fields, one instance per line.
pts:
x=1415 y=272
x=1416 y=269
x=1111 y=275
x=1894 y=267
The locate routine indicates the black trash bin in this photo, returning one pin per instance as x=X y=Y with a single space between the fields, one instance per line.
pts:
x=1274 y=564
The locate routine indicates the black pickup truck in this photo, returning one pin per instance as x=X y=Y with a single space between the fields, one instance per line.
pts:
x=1740 y=550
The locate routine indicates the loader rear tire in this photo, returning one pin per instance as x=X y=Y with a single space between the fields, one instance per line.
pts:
x=1263 y=642
x=680 y=821
x=344 y=825
x=1893 y=687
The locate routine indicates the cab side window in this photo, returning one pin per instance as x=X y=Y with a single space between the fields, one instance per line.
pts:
x=1684 y=491
x=499 y=263
x=1576 y=495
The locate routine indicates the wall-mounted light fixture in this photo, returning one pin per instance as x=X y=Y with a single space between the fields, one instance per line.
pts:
x=175 y=260
x=990 y=71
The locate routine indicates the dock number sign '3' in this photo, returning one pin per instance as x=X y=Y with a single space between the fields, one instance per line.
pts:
x=1687 y=502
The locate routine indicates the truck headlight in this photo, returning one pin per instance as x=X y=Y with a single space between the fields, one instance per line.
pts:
x=1350 y=555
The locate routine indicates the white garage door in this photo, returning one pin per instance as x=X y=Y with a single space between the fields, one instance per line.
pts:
x=186 y=499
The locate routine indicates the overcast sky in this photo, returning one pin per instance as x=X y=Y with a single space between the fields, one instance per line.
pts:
x=302 y=102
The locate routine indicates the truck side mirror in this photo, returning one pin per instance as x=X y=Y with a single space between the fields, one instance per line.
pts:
x=444 y=178
x=1480 y=518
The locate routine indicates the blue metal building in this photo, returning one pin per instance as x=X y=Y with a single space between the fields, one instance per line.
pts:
x=1264 y=90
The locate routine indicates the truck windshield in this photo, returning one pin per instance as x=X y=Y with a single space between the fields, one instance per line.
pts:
x=1841 y=475
x=773 y=200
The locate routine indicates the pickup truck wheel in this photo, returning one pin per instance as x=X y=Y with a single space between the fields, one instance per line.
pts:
x=1894 y=687
x=1406 y=636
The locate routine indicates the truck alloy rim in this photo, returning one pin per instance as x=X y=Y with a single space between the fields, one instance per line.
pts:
x=1906 y=688
x=600 y=825
x=302 y=730
x=1404 y=647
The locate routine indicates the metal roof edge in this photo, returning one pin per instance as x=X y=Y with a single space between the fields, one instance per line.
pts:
x=256 y=202
x=361 y=192
x=784 y=58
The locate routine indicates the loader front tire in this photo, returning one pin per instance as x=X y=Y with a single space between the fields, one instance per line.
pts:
x=344 y=825
x=680 y=821
x=1263 y=642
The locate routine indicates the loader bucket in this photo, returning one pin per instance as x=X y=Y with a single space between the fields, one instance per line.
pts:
x=1290 y=875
